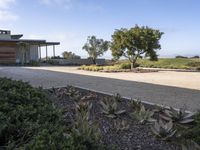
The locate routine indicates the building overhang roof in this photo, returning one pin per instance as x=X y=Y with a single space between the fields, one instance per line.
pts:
x=17 y=36
x=31 y=41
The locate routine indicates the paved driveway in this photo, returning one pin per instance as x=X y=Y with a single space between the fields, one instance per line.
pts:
x=146 y=87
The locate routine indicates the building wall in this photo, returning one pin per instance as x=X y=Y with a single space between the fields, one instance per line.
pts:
x=7 y=53
x=33 y=53
x=5 y=37
x=30 y=54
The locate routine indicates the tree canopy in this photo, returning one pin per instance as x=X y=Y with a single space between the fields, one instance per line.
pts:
x=70 y=55
x=95 y=47
x=132 y=43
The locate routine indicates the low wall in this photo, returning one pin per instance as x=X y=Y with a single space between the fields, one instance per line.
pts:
x=79 y=61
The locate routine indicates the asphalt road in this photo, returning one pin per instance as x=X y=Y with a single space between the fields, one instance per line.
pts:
x=160 y=94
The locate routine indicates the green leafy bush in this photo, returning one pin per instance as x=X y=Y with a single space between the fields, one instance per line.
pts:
x=194 y=132
x=26 y=113
x=29 y=120
x=194 y=64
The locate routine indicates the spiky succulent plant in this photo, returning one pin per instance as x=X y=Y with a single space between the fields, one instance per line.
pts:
x=143 y=115
x=73 y=93
x=190 y=145
x=88 y=97
x=121 y=125
x=177 y=116
x=163 y=130
x=117 y=97
x=83 y=127
x=135 y=104
x=110 y=108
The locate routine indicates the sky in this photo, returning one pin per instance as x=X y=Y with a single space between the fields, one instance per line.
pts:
x=70 y=22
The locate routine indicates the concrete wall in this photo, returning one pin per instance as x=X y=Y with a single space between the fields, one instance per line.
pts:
x=79 y=61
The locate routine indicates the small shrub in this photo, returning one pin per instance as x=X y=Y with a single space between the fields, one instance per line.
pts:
x=125 y=66
x=52 y=62
x=33 y=63
x=194 y=64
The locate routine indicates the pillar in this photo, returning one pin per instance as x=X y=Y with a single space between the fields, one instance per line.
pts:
x=54 y=51
x=46 y=52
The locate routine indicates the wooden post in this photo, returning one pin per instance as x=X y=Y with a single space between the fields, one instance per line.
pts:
x=46 y=52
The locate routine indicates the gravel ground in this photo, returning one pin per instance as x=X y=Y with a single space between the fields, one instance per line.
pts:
x=135 y=137
x=177 y=89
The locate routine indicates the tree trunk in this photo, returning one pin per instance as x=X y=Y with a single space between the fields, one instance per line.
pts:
x=133 y=62
x=94 y=61
x=132 y=65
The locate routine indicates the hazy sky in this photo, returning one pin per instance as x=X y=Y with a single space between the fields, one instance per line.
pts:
x=71 y=21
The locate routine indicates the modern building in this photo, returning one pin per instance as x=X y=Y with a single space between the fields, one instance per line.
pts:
x=14 y=49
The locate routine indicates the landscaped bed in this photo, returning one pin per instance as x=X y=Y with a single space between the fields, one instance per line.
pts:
x=165 y=63
x=77 y=119
x=115 y=68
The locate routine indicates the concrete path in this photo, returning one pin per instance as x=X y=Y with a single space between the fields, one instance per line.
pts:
x=152 y=87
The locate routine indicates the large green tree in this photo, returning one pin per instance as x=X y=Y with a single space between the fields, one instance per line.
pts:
x=132 y=43
x=95 y=47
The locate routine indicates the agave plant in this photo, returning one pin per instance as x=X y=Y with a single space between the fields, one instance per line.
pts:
x=83 y=110
x=160 y=109
x=163 y=130
x=73 y=93
x=177 y=116
x=117 y=97
x=143 y=115
x=190 y=145
x=121 y=125
x=88 y=97
x=110 y=108
x=135 y=104
x=60 y=92
x=83 y=128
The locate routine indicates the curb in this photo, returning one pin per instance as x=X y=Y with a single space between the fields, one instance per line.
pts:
x=124 y=97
